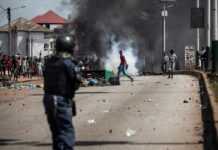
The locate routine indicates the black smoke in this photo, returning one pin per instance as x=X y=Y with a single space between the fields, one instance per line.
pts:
x=138 y=20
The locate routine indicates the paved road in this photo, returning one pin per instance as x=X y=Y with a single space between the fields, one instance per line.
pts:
x=153 y=113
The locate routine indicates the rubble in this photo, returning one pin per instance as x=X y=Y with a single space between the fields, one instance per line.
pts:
x=110 y=131
x=185 y=101
x=91 y=121
x=130 y=132
x=148 y=100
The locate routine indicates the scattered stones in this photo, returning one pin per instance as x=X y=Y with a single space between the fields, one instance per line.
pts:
x=185 y=101
x=130 y=132
x=91 y=121
x=148 y=100
x=110 y=131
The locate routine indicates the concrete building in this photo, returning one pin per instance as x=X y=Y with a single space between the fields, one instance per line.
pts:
x=27 y=38
x=50 y=20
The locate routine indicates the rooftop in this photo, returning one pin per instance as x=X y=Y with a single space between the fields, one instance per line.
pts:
x=22 y=24
x=49 y=17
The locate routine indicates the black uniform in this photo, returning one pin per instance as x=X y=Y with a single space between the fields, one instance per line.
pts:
x=61 y=80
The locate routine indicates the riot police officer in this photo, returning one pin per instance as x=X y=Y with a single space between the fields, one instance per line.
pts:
x=61 y=80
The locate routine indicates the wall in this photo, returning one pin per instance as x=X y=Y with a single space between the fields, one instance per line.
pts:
x=28 y=43
x=4 y=42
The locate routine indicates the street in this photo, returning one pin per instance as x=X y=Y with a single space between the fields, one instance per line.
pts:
x=152 y=113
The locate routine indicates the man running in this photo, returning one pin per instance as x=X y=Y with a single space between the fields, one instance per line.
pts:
x=123 y=67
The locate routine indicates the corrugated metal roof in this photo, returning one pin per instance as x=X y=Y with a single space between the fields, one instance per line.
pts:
x=22 y=24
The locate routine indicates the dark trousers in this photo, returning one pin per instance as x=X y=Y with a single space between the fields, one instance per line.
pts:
x=59 y=115
x=122 y=69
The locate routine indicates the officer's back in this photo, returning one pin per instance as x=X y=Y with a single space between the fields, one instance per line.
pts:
x=57 y=79
x=61 y=80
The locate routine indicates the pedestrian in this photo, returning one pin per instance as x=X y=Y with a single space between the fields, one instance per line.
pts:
x=61 y=80
x=165 y=61
x=204 y=58
x=39 y=67
x=172 y=63
x=4 y=63
x=123 y=66
x=1 y=64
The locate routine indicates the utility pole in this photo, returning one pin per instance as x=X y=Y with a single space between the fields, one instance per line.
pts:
x=214 y=36
x=208 y=27
x=9 y=30
x=164 y=15
x=8 y=11
x=197 y=38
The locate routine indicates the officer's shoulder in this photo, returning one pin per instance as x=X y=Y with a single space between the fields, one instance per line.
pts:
x=69 y=62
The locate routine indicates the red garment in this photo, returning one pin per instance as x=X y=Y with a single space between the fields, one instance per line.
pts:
x=122 y=60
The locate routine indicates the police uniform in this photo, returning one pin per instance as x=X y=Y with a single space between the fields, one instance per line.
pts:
x=61 y=80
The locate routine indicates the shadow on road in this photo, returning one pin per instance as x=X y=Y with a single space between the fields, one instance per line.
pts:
x=12 y=142
x=210 y=133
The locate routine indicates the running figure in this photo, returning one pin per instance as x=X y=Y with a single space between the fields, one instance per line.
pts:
x=123 y=66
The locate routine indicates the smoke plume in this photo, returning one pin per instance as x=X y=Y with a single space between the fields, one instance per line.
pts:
x=138 y=21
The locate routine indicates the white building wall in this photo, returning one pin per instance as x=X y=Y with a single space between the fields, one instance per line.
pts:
x=28 y=43
x=22 y=41
x=37 y=43
x=4 y=42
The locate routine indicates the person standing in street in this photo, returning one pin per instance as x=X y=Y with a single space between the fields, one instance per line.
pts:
x=172 y=63
x=165 y=62
x=123 y=66
x=61 y=80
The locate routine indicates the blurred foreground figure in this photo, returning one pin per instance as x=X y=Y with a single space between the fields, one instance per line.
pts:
x=123 y=66
x=172 y=63
x=61 y=80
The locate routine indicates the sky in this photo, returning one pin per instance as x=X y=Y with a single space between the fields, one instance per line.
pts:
x=33 y=8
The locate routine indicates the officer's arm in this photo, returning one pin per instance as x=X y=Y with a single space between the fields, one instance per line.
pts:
x=73 y=72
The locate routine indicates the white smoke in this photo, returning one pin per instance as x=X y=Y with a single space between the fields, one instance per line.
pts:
x=113 y=58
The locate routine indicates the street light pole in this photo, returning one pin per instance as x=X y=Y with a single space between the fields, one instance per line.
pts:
x=164 y=15
x=208 y=28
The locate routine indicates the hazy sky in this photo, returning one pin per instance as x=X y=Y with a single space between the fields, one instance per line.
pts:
x=33 y=8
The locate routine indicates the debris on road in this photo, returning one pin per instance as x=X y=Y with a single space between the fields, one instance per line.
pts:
x=130 y=132
x=106 y=111
x=110 y=131
x=91 y=121
x=185 y=101
x=148 y=100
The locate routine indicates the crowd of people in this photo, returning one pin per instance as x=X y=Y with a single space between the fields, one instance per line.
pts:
x=18 y=66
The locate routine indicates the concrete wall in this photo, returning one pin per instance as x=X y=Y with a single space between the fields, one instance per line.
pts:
x=4 y=42
x=27 y=43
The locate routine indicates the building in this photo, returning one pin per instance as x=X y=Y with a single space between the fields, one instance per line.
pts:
x=50 y=20
x=27 y=38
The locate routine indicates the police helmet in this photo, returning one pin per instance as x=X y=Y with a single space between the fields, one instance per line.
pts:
x=65 y=43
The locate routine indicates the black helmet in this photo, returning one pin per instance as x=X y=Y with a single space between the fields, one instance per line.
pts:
x=65 y=43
